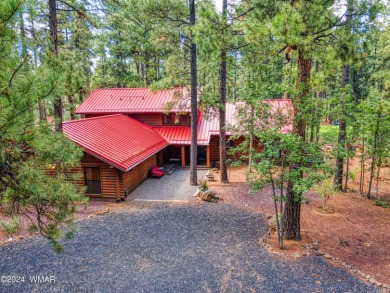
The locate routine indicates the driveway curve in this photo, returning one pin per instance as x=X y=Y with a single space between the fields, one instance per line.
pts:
x=154 y=247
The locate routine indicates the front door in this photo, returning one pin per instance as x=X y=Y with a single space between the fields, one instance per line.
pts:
x=92 y=180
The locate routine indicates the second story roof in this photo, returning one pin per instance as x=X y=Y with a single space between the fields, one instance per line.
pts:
x=135 y=100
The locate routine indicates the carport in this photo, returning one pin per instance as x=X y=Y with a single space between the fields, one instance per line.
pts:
x=170 y=188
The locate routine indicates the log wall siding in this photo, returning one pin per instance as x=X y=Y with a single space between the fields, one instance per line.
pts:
x=151 y=119
x=92 y=115
x=114 y=183
x=185 y=120
x=157 y=119
x=108 y=177
x=69 y=172
x=160 y=158
x=214 y=148
x=131 y=179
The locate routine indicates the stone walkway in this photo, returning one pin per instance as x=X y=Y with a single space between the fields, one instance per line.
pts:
x=172 y=188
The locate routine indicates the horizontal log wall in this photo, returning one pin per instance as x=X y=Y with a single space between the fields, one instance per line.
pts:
x=70 y=173
x=214 y=148
x=185 y=120
x=131 y=179
x=151 y=119
x=92 y=115
x=109 y=177
x=157 y=119
x=114 y=183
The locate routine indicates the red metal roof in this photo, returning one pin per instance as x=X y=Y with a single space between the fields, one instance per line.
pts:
x=135 y=100
x=208 y=126
x=118 y=140
x=180 y=135
x=284 y=108
x=175 y=134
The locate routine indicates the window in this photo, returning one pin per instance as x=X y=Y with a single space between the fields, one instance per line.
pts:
x=92 y=180
x=169 y=118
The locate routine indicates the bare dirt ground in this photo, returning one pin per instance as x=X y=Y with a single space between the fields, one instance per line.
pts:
x=93 y=208
x=357 y=232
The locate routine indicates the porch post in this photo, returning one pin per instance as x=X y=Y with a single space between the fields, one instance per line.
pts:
x=208 y=164
x=183 y=155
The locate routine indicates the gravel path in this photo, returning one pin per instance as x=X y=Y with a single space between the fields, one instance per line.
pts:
x=153 y=247
x=174 y=187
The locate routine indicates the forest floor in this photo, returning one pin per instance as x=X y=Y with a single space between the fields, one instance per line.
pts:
x=83 y=212
x=195 y=246
x=356 y=232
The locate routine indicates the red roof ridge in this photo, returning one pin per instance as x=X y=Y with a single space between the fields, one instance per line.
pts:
x=276 y=100
x=134 y=100
x=137 y=88
x=149 y=127
x=120 y=88
x=91 y=118
x=243 y=101
x=169 y=126
x=144 y=125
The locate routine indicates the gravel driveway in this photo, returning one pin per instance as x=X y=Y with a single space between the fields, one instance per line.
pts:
x=154 y=247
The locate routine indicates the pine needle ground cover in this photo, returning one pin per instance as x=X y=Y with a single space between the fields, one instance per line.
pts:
x=357 y=232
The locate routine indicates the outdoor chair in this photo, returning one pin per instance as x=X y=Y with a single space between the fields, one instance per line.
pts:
x=156 y=173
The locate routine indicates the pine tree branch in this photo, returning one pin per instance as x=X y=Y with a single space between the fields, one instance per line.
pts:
x=338 y=22
x=244 y=13
x=239 y=46
x=27 y=108
x=165 y=15
x=12 y=13
x=16 y=71
x=81 y=11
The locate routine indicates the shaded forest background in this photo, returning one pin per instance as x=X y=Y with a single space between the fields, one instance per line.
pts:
x=331 y=58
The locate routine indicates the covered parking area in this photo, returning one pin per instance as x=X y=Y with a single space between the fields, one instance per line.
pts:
x=169 y=188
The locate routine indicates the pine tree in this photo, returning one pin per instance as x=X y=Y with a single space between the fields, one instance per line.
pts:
x=222 y=106
x=194 y=101
x=299 y=27
x=28 y=151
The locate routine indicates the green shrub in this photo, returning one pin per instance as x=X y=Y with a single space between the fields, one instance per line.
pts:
x=10 y=226
x=324 y=189
x=380 y=203
x=352 y=174
x=203 y=185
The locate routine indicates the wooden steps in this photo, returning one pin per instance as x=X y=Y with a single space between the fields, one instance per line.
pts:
x=168 y=169
x=198 y=168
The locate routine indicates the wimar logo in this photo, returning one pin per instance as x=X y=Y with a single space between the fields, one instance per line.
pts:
x=42 y=279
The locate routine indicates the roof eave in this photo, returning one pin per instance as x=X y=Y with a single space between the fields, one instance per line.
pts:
x=155 y=152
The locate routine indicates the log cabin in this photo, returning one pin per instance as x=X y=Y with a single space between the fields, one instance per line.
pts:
x=125 y=132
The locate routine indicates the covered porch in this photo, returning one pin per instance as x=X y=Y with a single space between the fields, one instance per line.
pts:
x=180 y=155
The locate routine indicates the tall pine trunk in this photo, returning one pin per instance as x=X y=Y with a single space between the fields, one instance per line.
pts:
x=251 y=129
x=361 y=181
x=342 y=137
x=222 y=109
x=374 y=154
x=292 y=212
x=194 y=104
x=58 y=109
x=338 y=177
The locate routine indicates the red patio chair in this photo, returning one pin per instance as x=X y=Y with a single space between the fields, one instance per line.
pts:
x=156 y=173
